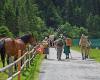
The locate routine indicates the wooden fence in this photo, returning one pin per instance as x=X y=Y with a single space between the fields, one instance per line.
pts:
x=29 y=55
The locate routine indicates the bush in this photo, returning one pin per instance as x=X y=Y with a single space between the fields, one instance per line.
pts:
x=4 y=31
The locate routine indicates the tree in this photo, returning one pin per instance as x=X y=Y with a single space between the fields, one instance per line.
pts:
x=93 y=22
x=66 y=29
x=21 y=16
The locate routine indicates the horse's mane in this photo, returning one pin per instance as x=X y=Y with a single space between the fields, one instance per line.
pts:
x=26 y=38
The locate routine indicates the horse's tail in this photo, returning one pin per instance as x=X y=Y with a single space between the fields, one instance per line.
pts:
x=2 y=51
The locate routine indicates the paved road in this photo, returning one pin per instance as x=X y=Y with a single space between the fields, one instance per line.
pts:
x=72 y=69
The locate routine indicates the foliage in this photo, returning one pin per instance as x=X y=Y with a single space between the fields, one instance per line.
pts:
x=66 y=28
x=22 y=16
x=94 y=22
x=72 y=31
x=76 y=12
x=4 y=31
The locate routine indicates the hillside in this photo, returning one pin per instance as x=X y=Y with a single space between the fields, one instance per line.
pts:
x=21 y=16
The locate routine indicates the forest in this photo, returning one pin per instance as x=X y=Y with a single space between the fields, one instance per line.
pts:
x=45 y=17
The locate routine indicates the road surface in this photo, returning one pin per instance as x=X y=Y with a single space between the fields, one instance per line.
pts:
x=71 y=69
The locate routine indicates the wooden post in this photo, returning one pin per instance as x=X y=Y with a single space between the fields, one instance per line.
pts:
x=19 y=64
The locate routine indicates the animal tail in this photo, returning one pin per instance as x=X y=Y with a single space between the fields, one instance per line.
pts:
x=2 y=51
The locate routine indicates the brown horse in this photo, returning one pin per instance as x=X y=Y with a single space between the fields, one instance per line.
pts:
x=10 y=47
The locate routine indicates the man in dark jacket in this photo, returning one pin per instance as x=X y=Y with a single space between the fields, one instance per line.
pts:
x=59 y=46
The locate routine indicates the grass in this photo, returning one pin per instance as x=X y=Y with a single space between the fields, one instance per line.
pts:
x=3 y=75
x=94 y=53
x=31 y=73
x=34 y=73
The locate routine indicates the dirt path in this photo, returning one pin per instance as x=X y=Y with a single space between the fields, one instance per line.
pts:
x=72 y=69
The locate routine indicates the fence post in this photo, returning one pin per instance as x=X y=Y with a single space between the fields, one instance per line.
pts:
x=19 y=64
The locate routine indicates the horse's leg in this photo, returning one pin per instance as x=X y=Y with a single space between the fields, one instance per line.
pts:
x=15 y=58
x=7 y=59
x=22 y=61
x=3 y=56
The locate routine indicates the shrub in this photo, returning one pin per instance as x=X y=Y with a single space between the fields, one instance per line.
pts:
x=4 y=31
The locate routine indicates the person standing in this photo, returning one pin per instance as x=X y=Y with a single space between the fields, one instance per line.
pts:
x=67 y=45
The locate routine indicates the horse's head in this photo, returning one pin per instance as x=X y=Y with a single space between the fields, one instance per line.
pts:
x=28 y=38
x=32 y=40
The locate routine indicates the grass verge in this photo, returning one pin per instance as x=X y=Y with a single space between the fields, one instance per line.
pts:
x=95 y=54
x=34 y=73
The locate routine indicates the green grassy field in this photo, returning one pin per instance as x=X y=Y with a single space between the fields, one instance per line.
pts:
x=30 y=73
x=94 y=53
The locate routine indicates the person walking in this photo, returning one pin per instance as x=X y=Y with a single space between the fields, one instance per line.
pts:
x=84 y=45
x=59 y=47
x=67 y=45
x=46 y=47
